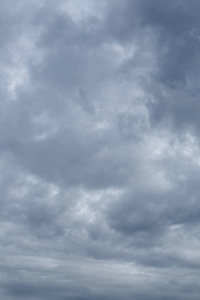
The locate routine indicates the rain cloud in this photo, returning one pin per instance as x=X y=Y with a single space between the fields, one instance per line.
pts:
x=99 y=149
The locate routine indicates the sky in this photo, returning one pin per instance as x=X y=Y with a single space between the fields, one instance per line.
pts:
x=99 y=149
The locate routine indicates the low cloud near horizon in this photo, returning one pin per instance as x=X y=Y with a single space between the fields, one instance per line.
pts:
x=100 y=152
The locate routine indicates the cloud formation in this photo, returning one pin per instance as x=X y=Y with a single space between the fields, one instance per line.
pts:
x=100 y=162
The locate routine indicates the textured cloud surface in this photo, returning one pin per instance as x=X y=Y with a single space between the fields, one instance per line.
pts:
x=100 y=153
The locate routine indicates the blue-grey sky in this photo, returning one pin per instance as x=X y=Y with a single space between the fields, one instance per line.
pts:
x=99 y=149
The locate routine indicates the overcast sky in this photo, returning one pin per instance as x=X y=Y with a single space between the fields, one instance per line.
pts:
x=99 y=149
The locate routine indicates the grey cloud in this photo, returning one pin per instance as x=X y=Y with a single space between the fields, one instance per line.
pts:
x=99 y=149
x=169 y=33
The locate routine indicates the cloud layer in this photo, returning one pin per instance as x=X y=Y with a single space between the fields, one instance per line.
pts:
x=100 y=154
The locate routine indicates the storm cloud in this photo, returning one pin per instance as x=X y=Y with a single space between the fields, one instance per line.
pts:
x=99 y=149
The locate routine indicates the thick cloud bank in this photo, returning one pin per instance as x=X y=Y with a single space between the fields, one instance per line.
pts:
x=100 y=153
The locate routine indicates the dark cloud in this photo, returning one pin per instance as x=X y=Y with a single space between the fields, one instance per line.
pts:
x=99 y=144
x=168 y=35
